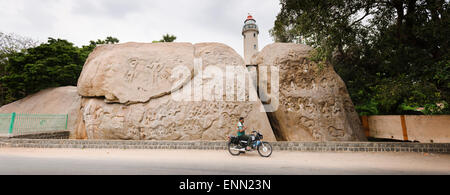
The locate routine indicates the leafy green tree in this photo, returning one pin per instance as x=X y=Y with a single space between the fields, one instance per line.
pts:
x=166 y=39
x=87 y=49
x=9 y=44
x=392 y=54
x=52 y=64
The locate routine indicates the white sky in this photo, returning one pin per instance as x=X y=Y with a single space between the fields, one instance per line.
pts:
x=195 y=21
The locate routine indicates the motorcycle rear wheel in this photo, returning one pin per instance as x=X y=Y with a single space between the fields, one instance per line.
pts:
x=232 y=146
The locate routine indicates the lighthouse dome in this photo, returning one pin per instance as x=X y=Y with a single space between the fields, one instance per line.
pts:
x=250 y=25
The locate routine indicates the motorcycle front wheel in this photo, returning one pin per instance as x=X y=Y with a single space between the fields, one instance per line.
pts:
x=265 y=149
x=232 y=148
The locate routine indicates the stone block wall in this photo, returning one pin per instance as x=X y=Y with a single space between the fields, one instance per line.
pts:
x=424 y=129
x=222 y=145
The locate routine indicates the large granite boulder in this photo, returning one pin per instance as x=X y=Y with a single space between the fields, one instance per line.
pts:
x=314 y=104
x=121 y=100
x=61 y=100
x=133 y=72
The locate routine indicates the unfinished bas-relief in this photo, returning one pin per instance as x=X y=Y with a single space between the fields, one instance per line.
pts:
x=314 y=102
x=127 y=95
x=133 y=72
x=164 y=119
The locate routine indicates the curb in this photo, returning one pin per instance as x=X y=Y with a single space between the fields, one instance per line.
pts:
x=222 y=145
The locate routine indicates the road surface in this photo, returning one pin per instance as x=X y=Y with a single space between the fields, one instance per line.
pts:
x=20 y=161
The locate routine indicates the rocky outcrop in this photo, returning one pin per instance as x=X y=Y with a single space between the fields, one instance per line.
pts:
x=62 y=100
x=131 y=92
x=128 y=93
x=314 y=104
x=133 y=72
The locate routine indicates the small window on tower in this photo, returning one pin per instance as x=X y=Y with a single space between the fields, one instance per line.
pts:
x=254 y=34
x=254 y=46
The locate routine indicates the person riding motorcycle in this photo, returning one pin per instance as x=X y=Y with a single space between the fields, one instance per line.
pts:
x=241 y=132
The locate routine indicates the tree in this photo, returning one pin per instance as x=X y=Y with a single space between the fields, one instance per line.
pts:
x=9 y=44
x=87 y=49
x=392 y=54
x=52 y=64
x=13 y=43
x=166 y=38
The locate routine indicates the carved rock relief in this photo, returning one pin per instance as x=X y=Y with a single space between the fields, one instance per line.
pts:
x=127 y=112
x=312 y=98
x=167 y=121
x=133 y=72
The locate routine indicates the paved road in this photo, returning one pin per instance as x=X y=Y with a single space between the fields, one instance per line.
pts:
x=168 y=162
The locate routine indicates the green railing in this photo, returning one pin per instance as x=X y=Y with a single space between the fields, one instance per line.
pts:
x=22 y=124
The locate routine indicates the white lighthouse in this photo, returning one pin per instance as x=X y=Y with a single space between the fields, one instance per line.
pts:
x=250 y=33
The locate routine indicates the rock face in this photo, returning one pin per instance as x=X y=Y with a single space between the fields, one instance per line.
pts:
x=314 y=104
x=128 y=93
x=62 y=100
x=133 y=72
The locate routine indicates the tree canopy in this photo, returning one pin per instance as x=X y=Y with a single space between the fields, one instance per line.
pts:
x=166 y=39
x=55 y=63
x=392 y=54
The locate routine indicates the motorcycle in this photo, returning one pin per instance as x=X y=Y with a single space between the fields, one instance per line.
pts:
x=236 y=146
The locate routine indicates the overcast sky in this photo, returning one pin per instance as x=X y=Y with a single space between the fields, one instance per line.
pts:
x=138 y=20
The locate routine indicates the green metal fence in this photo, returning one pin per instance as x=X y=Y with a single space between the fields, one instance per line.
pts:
x=22 y=124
